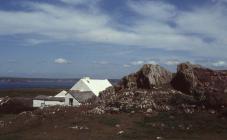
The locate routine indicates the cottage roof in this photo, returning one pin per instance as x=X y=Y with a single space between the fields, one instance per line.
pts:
x=49 y=98
x=82 y=96
x=61 y=94
x=93 y=85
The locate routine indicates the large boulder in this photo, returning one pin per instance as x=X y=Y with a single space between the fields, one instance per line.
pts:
x=208 y=86
x=185 y=80
x=146 y=78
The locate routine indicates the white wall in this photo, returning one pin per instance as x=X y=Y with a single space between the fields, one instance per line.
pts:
x=67 y=97
x=53 y=103
x=38 y=103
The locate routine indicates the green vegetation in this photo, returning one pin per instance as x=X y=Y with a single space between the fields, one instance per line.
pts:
x=10 y=137
x=179 y=126
x=171 y=126
x=109 y=120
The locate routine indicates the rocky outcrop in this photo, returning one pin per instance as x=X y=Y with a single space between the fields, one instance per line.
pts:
x=140 y=91
x=193 y=87
x=206 y=85
x=146 y=78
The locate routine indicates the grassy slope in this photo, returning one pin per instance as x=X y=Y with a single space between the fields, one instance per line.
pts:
x=200 y=126
x=136 y=126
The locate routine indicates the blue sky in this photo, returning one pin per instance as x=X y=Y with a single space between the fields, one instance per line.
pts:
x=109 y=38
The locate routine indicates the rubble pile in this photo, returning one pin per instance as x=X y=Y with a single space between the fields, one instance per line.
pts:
x=143 y=91
x=141 y=100
x=15 y=105
x=97 y=111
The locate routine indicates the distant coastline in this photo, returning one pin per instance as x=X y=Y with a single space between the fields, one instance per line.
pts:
x=20 y=83
x=22 y=79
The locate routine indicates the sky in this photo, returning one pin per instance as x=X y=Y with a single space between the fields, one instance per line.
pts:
x=109 y=38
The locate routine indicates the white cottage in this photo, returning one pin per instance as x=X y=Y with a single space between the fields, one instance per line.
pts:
x=83 y=90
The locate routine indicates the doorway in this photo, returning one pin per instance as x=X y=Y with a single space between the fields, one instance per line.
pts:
x=71 y=101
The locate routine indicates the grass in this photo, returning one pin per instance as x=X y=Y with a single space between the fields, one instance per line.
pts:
x=181 y=126
x=6 y=117
x=109 y=120
x=10 y=137
x=203 y=126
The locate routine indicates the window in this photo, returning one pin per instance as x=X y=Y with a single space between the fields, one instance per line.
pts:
x=71 y=101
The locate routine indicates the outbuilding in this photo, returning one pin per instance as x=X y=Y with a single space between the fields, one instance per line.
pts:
x=44 y=101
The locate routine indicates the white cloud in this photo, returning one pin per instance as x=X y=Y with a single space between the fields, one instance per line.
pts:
x=67 y=24
x=61 y=61
x=77 y=2
x=52 y=21
x=196 y=30
x=155 y=9
x=139 y=62
x=126 y=65
x=219 y=63
x=103 y=62
x=155 y=32
x=74 y=1
x=10 y=71
x=172 y=62
x=219 y=1
x=12 y=61
x=35 y=41
x=193 y=22
x=152 y=62
x=199 y=31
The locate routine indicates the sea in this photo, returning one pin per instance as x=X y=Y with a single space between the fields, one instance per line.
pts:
x=15 y=83
x=65 y=84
